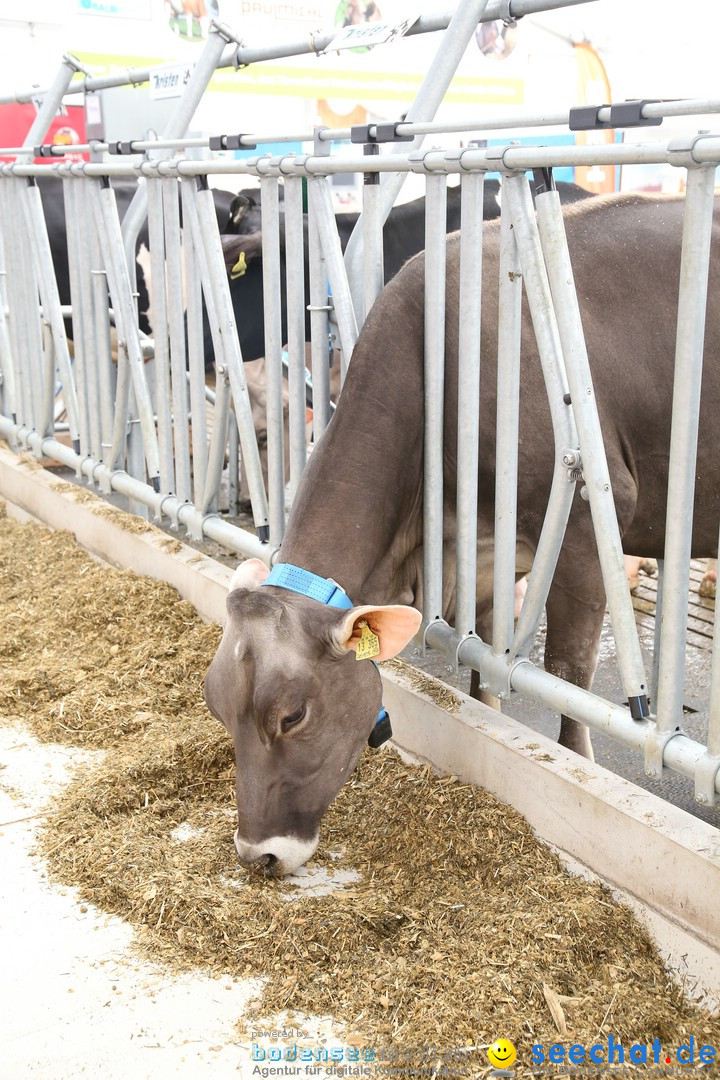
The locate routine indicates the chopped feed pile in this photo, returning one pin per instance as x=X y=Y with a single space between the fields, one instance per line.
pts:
x=457 y=925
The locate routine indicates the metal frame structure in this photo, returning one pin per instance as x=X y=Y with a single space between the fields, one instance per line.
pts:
x=115 y=411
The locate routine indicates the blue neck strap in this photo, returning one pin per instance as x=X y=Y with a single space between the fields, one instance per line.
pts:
x=325 y=591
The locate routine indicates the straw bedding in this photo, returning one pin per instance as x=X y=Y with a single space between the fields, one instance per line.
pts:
x=460 y=927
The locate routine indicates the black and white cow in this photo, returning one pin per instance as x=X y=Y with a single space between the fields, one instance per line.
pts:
x=403 y=237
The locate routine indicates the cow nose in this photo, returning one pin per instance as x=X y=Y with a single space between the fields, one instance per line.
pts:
x=267 y=861
x=278 y=855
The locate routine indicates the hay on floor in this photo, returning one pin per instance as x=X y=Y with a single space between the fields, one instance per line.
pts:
x=454 y=924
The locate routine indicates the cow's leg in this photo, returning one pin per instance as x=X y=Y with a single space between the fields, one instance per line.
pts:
x=575 y=611
x=708 y=585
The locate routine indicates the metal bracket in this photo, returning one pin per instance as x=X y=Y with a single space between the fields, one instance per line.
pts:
x=706 y=770
x=499 y=675
x=680 y=151
x=321 y=147
x=655 y=744
x=505 y=14
x=495 y=158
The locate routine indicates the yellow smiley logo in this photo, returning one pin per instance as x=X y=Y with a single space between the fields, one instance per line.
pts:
x=502 y=1053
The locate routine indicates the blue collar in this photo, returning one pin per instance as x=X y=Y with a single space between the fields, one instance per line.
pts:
x=325 y=591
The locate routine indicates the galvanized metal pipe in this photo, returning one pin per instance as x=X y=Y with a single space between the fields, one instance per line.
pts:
x=42 y=257
x=517 y=194
x=272 y=318
x=196 y=351
x=596 y=473
x=295 y=284
x=106 y=221
x=319 y=340
x=229 y=536
x=692 y=302
x=440 y=74
x=103 y=366
x=343 y=306
x=176 y=323
x=435 y=240
x=373 y=258
x=209 y=238
x=79 y=275
x=468 y=403
x=506 y=445
x=157 y=295
x=218 y=441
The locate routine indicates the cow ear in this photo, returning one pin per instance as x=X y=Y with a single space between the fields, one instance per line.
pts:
x=249 y=575
x=238 y=251
x=241 y=205
x=377 y=633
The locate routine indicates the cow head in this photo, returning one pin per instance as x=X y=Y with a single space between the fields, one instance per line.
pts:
x=298 y=705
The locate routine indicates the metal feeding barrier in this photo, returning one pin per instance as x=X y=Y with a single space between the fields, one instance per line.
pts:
x=142 y=422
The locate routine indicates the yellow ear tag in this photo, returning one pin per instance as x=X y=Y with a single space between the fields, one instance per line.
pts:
x=239 y=268
x=368 y=645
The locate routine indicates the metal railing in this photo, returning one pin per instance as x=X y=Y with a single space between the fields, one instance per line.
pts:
x=128 y=422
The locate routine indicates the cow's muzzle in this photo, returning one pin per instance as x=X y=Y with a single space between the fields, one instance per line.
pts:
x=280 y=855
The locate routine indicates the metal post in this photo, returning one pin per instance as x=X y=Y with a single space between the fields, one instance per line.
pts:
x=468 y=405
x=196 y=353
x=106 y=221
x=319 y=195
x=441 y=71
x=373 y=257
x=208 y=237
x=202 y=73
x=295 y=279
x=692 y=302
x=176 y=324
x=272 y=315
x=435 y=241
x=161 y=363
x=596 y=473
x=218 y=441
x=506 y=446
x=42 y=257
x=319 y=308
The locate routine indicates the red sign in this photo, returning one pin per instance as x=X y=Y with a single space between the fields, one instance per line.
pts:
x=66 y=130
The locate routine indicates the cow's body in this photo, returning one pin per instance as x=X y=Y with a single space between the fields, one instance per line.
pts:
x=285 y=681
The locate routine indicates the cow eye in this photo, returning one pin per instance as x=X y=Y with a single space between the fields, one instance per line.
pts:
x=293 y=718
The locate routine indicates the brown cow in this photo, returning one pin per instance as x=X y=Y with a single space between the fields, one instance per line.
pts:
x=285 y=680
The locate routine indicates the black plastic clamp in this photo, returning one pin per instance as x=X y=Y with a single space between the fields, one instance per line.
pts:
x=629 y=114
x=45 y=150
x=360 y=133
x=231 y=142
x=623 y=114
x=585 y=118
x=121 y=148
